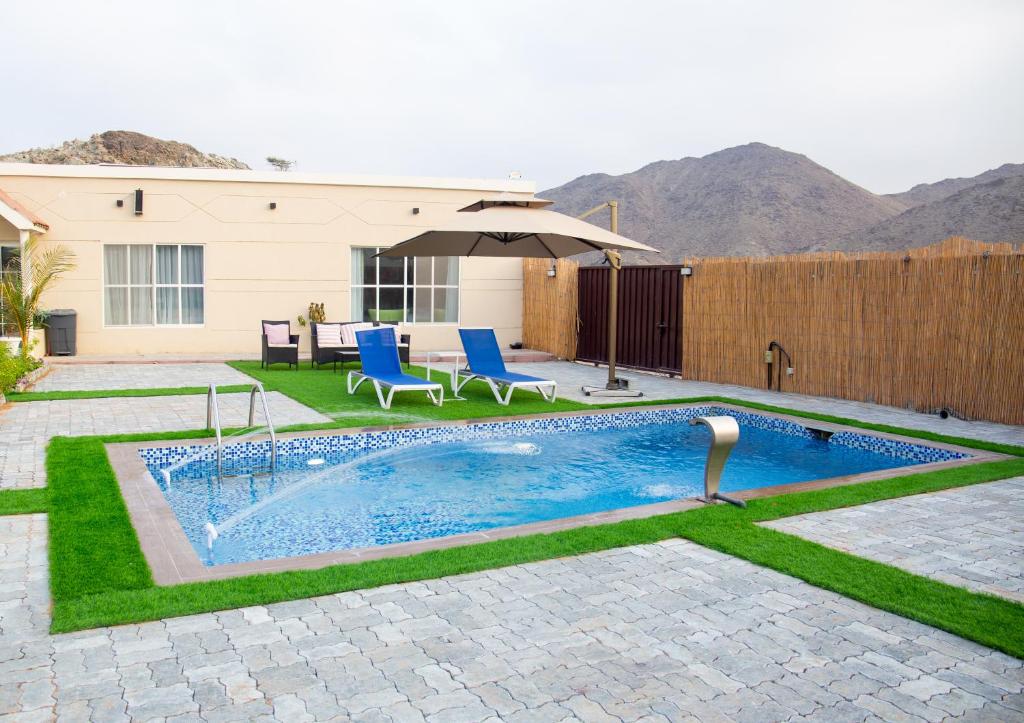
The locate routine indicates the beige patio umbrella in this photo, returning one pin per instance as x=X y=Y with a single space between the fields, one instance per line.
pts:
x=513 y=231
x=497 y=228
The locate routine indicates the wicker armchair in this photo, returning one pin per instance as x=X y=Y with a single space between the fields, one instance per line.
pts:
x=279 y=353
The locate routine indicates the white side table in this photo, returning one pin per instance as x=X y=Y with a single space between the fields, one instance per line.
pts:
x=439 y=356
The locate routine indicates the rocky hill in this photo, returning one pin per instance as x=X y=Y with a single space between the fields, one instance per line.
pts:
x=124 y=147
x=749 y=200
x=929 y=192
x=759 y=200
x=992 y=212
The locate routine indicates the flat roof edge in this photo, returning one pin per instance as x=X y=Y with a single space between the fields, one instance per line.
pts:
x=233 y=175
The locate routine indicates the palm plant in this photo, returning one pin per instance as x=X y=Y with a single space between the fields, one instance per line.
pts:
x=21 y=304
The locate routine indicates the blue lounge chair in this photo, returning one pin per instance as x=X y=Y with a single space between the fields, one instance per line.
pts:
x=484 y=362
x=381 y=366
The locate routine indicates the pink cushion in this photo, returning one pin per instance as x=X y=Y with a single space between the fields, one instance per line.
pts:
x=276 y=333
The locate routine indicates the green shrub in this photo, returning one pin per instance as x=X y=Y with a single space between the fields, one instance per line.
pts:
x=13 y=366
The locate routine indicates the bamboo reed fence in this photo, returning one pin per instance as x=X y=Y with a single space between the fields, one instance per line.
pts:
x=551 y=306
x=935 y=328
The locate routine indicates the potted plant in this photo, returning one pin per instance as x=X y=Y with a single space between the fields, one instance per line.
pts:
x=316 y=315
x=22 y=305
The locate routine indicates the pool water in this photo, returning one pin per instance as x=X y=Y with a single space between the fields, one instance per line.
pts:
x=363 y=498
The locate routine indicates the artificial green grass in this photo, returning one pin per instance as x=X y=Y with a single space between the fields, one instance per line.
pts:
x=104 y=393
x=104 y=580
x=323 y=390
x=99 y=576
x=93 y=547
x=23 y=502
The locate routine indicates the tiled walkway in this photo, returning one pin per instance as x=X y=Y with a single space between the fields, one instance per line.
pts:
x=571 y=377
x=970 y=536
x=665 y=632
x=66 y=377
x=26 y=427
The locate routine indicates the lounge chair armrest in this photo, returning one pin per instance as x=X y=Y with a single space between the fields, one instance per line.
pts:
x=293 y=338
x=404 y=339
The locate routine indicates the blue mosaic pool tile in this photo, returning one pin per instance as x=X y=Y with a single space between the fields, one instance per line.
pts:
x=895 y=447
x=249 y=453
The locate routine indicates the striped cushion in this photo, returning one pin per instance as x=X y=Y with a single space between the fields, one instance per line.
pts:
x=328 y=335
x=348 y=332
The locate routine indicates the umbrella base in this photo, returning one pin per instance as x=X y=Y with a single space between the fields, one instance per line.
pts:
x=617 y=387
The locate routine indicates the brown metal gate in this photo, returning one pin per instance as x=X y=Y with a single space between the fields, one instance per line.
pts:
x=650 y=317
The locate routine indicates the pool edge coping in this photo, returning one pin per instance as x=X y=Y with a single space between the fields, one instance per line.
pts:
x=173 y=560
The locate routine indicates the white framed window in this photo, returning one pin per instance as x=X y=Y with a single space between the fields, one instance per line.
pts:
x=153 y=285
x=421 y=290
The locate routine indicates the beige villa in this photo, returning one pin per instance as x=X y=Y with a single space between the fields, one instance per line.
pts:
x=184 y=260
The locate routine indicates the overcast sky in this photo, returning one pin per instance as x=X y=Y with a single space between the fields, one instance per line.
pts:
x=887 y=94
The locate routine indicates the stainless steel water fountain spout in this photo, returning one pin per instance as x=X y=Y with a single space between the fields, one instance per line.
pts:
x=725 y=432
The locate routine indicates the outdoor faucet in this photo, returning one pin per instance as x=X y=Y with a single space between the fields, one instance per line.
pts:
x=724 y=434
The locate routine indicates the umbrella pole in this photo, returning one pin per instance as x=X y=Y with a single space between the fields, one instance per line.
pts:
x=615 y=387
x=614 y=263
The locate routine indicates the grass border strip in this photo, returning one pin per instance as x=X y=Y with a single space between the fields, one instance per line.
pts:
x=24 y=501
x=111 y=393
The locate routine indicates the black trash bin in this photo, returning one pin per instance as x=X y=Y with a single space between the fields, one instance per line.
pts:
x=62 y=332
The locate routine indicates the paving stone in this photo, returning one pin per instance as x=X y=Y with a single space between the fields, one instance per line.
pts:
x=473 y=713
x=290 y=707
x=111 y=709
x=362 y=702
x=285 y=679
x=403 y=713
x=951 y=521
x=535 y=655
x=160 y=702
x=443 y=701
x=855 y=686
x=27 y=427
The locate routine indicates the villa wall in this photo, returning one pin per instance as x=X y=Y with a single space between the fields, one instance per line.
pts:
x=259 y=263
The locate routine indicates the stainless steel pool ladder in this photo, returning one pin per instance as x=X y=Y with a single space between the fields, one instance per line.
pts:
x=213 y=420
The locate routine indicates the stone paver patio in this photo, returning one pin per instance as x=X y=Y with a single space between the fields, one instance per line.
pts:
x=26 y=427
x=77 y=377
x=971 y=536
x=664 y=632
x=571 y=377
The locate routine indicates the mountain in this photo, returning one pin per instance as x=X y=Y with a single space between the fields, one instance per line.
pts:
x=929 y=192
x=756 y=200
x=748 y=200
x=992 y=212
x=127 y=148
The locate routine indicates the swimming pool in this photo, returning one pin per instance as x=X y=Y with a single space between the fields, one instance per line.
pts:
x=356 y=491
